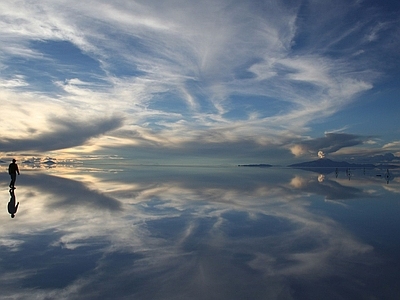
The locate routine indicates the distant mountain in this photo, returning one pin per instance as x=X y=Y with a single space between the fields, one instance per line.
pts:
x=328 y=163
x=391 y=166
x=256 y=165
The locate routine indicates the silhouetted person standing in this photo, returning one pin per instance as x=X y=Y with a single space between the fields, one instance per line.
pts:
x=13 y=170
x=12 y=208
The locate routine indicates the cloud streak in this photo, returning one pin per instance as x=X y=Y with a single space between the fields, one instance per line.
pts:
x=65 y=133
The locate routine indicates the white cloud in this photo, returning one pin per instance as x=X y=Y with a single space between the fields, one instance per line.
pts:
x=17 y=81
x=392 y=145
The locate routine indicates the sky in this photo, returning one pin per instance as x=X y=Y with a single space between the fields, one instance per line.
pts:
x=200 y=82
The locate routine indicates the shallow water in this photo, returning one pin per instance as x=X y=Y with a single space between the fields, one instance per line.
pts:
x=144 y=232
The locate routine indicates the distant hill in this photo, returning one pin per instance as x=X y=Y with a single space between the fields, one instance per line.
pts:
x=325 y=164
x=382 y=166
x=328 y=163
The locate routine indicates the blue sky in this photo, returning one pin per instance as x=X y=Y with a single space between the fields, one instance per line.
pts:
x=199 y=82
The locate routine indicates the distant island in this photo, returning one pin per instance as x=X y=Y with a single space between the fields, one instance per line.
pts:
x=256 y=165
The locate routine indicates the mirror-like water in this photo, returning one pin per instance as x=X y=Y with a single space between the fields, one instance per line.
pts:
x=200 y=233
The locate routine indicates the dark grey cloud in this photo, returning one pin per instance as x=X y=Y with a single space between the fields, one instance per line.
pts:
x=205 y=152
x=381 y=158
x=64 y=133
x=332 y=142
x=372 y=158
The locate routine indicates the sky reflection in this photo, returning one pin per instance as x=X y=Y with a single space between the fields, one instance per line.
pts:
x=200 y=233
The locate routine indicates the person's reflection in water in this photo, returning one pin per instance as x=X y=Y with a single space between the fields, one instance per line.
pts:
x=348 y=172
x=12 y=208
x=388 y=176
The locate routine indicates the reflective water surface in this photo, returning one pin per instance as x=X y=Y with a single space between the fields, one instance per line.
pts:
x=200 y=233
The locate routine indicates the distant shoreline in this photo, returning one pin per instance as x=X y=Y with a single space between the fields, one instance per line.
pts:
x=256 y=165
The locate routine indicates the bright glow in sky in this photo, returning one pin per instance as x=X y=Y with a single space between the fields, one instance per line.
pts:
x=200 y=81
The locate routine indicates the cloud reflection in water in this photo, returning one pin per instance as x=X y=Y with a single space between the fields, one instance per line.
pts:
x=194 y=233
